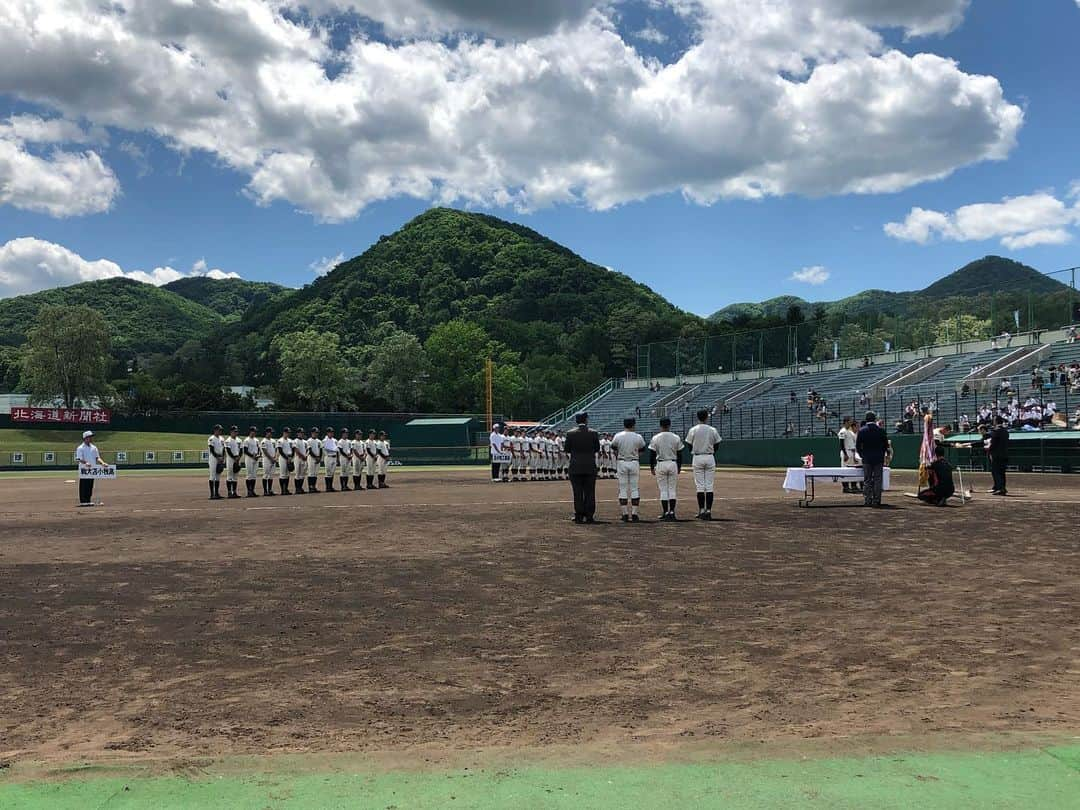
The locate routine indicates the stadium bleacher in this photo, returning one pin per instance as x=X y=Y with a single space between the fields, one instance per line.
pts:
x=770 y=413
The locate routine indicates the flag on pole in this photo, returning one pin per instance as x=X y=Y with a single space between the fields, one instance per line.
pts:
x=926 y=451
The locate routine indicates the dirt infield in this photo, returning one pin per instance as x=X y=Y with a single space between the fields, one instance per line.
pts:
x=449 y=613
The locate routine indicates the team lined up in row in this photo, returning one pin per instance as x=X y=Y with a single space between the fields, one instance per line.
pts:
x=297 y=458
x=541 y=456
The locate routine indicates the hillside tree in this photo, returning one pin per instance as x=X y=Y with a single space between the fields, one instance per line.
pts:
x=314 y=367
x=67 y=356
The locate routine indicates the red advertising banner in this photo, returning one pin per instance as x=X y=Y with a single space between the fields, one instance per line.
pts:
x=79 y=416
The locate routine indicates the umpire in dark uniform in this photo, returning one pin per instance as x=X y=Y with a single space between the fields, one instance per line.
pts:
x=583 y=444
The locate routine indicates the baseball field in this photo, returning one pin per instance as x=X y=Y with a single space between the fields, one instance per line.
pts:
x=455 y=643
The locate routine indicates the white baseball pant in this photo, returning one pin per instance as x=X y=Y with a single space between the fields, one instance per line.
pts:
x=667 y=478
x=270 y=466
x=704 y=472
x=251 y=467
x=283 y=466
x=371 y=465
x=629 y=478
x=358 y=464
x=381 y=464
x=213 y=465
x=331 y=465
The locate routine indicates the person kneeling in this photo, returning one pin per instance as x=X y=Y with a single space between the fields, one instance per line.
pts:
x=941 y=481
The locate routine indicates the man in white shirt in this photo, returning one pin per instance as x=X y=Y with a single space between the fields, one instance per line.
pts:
x=216 y=463
x=314 y=459
x=702 y=439
x=286 y=451
x=233 y=456
x=299 y=445
x=627 y=446
x=495 y=445
x=87 y=455
x=371 y=449
x=251 y=451
x=382 y=462
x=665 y=462
x=269 y=449
x=848 y=456
x=345 y=456
x=330 y=454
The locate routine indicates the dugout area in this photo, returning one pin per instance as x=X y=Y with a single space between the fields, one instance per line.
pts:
x=455 y=643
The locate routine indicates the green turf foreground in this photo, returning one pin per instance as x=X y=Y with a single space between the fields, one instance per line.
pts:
x=1046 y=779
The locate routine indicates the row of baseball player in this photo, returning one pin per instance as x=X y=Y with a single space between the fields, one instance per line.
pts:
x=296 y=457
x=542 y=456
x=665 y=461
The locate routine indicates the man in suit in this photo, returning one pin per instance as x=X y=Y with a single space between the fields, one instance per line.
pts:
x=872 y=445
x=583 y=444
x=998 y=449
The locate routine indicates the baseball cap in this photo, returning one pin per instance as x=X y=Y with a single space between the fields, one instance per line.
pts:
x=87 y=434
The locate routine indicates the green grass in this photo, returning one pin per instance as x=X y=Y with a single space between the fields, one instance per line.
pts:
x=1045 y=778
x=30 y=441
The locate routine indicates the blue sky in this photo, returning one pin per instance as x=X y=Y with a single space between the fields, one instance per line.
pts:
x=97 y=179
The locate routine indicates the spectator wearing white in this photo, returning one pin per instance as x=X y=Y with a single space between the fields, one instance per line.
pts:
x=703 y=439
x=628 y=445
x=666 y=464
x=87 y=456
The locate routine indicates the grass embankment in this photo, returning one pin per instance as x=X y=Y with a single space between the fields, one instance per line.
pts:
x=33 y=441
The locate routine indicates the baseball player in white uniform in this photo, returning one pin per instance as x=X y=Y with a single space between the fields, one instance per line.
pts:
x=666 y=463
x=703 y=439
x=216 y=445
x=382 y=462
x=516 y=450
x=371 y=458
x=359 y=461
x=269 y=450
x=345 y=458
x=606 y=468
x=286 y=460
x=300 y=459
x=330 y=454
x=532 y=445
x=233 y=460
x=252 y=452
x=314 y=459
x=627 y=446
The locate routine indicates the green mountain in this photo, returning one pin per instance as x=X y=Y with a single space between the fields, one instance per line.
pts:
x=981 y=278
x=526 y=291
x=230 y=297
x=143 y=319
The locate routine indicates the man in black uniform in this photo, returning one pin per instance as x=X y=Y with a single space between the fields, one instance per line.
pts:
x=583 y=444
x=941 y=480
x=998 y=450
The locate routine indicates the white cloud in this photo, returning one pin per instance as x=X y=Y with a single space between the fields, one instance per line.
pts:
x=321 y=267
x=651 y=34
x=54 y=182
x=816 y=275
x=761 y=105
x=28 y=265
x=1019 y=222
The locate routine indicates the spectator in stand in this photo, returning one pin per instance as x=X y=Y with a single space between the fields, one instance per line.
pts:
x=1006 y=338
x=1076 y=419
x=794 y=400
x=965 y=391
x=1071 y=334
x=965 y=423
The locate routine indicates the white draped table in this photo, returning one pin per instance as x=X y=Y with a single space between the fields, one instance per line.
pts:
x=802 y=479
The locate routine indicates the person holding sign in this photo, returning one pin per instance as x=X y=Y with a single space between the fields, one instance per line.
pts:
x=88 y=456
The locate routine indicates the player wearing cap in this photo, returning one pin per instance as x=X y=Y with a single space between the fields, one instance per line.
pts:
x=703 y=439
x=627 y=446
x=269 y=449
x=532 y=443
x=314 y=459
x=330 y=454
x=216 y=462
x=666 y=464
x=252 y=452
x=382 y=463
x=286 y=464
x=233 y=455
x=359 y=461
x=371 y=458
x=300 y=451
x=87 y=455
x=344 y=447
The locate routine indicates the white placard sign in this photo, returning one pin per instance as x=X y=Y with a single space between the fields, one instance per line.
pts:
x=178 y=455
x=18 y=458
x=121 y=456
x=98 y=473
x=501 y=458
x=49 y=457
x=150 y=456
